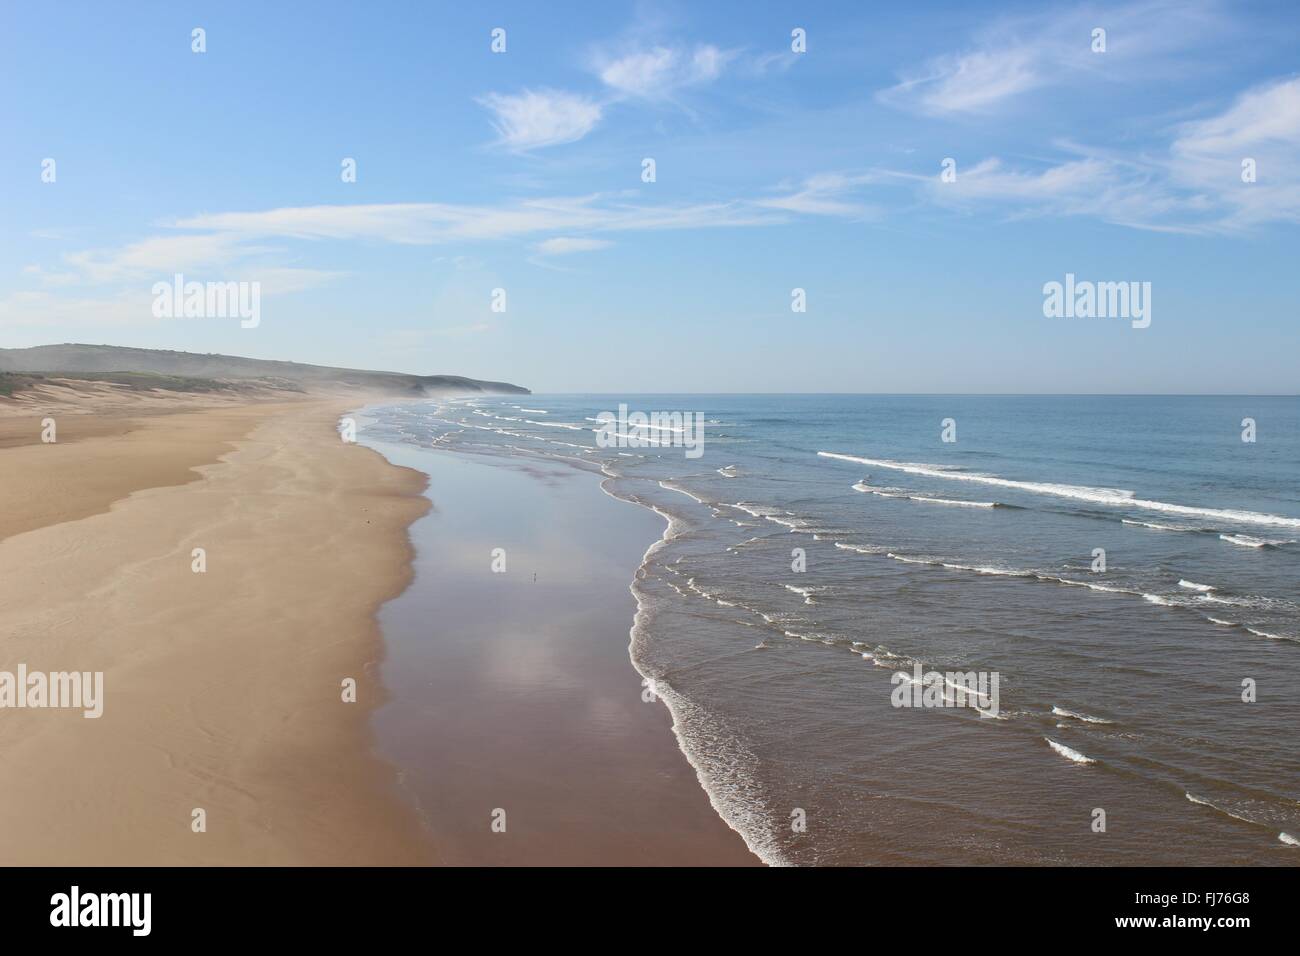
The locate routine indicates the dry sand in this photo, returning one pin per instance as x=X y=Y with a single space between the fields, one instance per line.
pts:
x=222 y=690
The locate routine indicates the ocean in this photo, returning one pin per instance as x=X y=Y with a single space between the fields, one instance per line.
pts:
x=1124 y=570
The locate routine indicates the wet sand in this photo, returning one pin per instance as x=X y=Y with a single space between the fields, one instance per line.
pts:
x=513 y=693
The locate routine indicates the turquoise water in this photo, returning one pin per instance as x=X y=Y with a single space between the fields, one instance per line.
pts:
x=1120 y=684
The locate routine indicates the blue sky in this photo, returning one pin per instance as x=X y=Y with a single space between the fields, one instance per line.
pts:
x=775 y=170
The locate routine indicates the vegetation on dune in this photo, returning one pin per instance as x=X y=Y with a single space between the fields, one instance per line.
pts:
x=13 y=382
x=108 y=362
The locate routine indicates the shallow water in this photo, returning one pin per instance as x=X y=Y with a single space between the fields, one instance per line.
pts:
x=1120 y=690
x=511 y=688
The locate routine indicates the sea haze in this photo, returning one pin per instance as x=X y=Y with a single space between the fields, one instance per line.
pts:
x=1120 y=690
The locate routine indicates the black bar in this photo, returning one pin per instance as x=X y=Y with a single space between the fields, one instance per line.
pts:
x=979 y=906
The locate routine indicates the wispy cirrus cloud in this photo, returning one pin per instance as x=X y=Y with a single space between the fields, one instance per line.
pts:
x=990 y=180
x=431 y=223
x=660 y=71
x=1135 y=194
x=825 y=194
x=233 y=256
x=157 y=255
x=1261 y=126
x=564 y=245
x=1191 y=184
x=249 y=245
x=537 y=118
x=1016 y=55
x=967 y=82
x=1195 y=185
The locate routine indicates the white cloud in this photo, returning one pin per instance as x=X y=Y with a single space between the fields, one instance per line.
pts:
x=563 y=245
x=210 y=255
x=536 y=118
x=161 y=255
x=707 y=63
x=1076 y=180
x=429 y=223
x=1013 y=56
x=970 y=82
x=1263 y=124
x=824 y=195
x=658 y=72
x=1194 y=186
x=640 y=73
x=1260 y=117
x=1121 y=192
x=240 y=246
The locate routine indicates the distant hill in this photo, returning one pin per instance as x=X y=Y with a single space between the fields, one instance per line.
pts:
x=89 y=361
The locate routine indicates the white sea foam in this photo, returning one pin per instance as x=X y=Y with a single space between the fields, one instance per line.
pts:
x=1010 y=573
x=895 y=493
x=1272 y=637
x=1154 y=526
x=631 y=428
x=805 y=593
x=1086 y=718
x=1288 y=839
x=1215 y=599
x=853 y=547
x=1193 y=586
x=791 y=522
x=758 y=511
x=1113 y=497
x=984 y=569
x=814 y=638
x=1246 y=541
x=574 y=428
x=1201 y=801
x=905 y=560
x=1068 y=753
x=682 y=491
x=1090 y=585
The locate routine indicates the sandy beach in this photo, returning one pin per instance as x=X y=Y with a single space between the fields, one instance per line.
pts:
x=222 y=689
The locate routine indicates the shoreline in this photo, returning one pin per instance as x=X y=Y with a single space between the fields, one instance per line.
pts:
x=222 y=688
x=670 y=700
x=642 y=801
